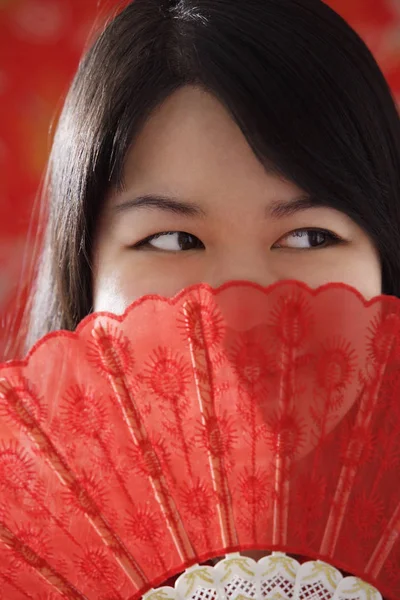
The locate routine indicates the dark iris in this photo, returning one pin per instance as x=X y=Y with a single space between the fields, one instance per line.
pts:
x=317 y=238
x=188 y=242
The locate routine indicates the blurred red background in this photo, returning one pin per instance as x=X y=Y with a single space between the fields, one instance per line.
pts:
x=41 y=42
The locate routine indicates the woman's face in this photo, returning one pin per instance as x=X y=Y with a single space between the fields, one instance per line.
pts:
x=199 y=207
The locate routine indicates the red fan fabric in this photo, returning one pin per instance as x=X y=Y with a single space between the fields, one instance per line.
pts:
x=41 y=42
x=220 y=420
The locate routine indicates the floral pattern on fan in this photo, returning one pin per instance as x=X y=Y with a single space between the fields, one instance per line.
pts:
x=218 y=421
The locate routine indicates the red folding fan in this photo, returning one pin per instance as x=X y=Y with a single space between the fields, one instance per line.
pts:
x=220 y=422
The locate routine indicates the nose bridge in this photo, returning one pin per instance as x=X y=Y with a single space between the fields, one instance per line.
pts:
x=241 y=266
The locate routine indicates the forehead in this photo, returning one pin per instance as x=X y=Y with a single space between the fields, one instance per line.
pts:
x=190 y=144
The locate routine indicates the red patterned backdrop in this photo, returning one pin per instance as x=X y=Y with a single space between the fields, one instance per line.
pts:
x=40 y=45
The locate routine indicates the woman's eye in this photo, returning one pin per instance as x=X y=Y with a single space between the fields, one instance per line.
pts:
x=304 y=239
x=172 y=241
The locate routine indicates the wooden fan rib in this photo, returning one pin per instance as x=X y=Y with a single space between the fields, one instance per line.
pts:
x=141 y=438
x=204 y=385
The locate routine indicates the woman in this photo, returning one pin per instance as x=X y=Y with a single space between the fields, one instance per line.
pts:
x=207 y=140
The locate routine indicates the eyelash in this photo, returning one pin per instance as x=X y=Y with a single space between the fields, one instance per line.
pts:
x=333 y=239
x=155 y=236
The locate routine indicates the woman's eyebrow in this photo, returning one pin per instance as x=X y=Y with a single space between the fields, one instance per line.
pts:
x=277 y=209
x=165 y=203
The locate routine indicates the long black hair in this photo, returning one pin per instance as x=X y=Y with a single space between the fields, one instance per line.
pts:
x=300 y=83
